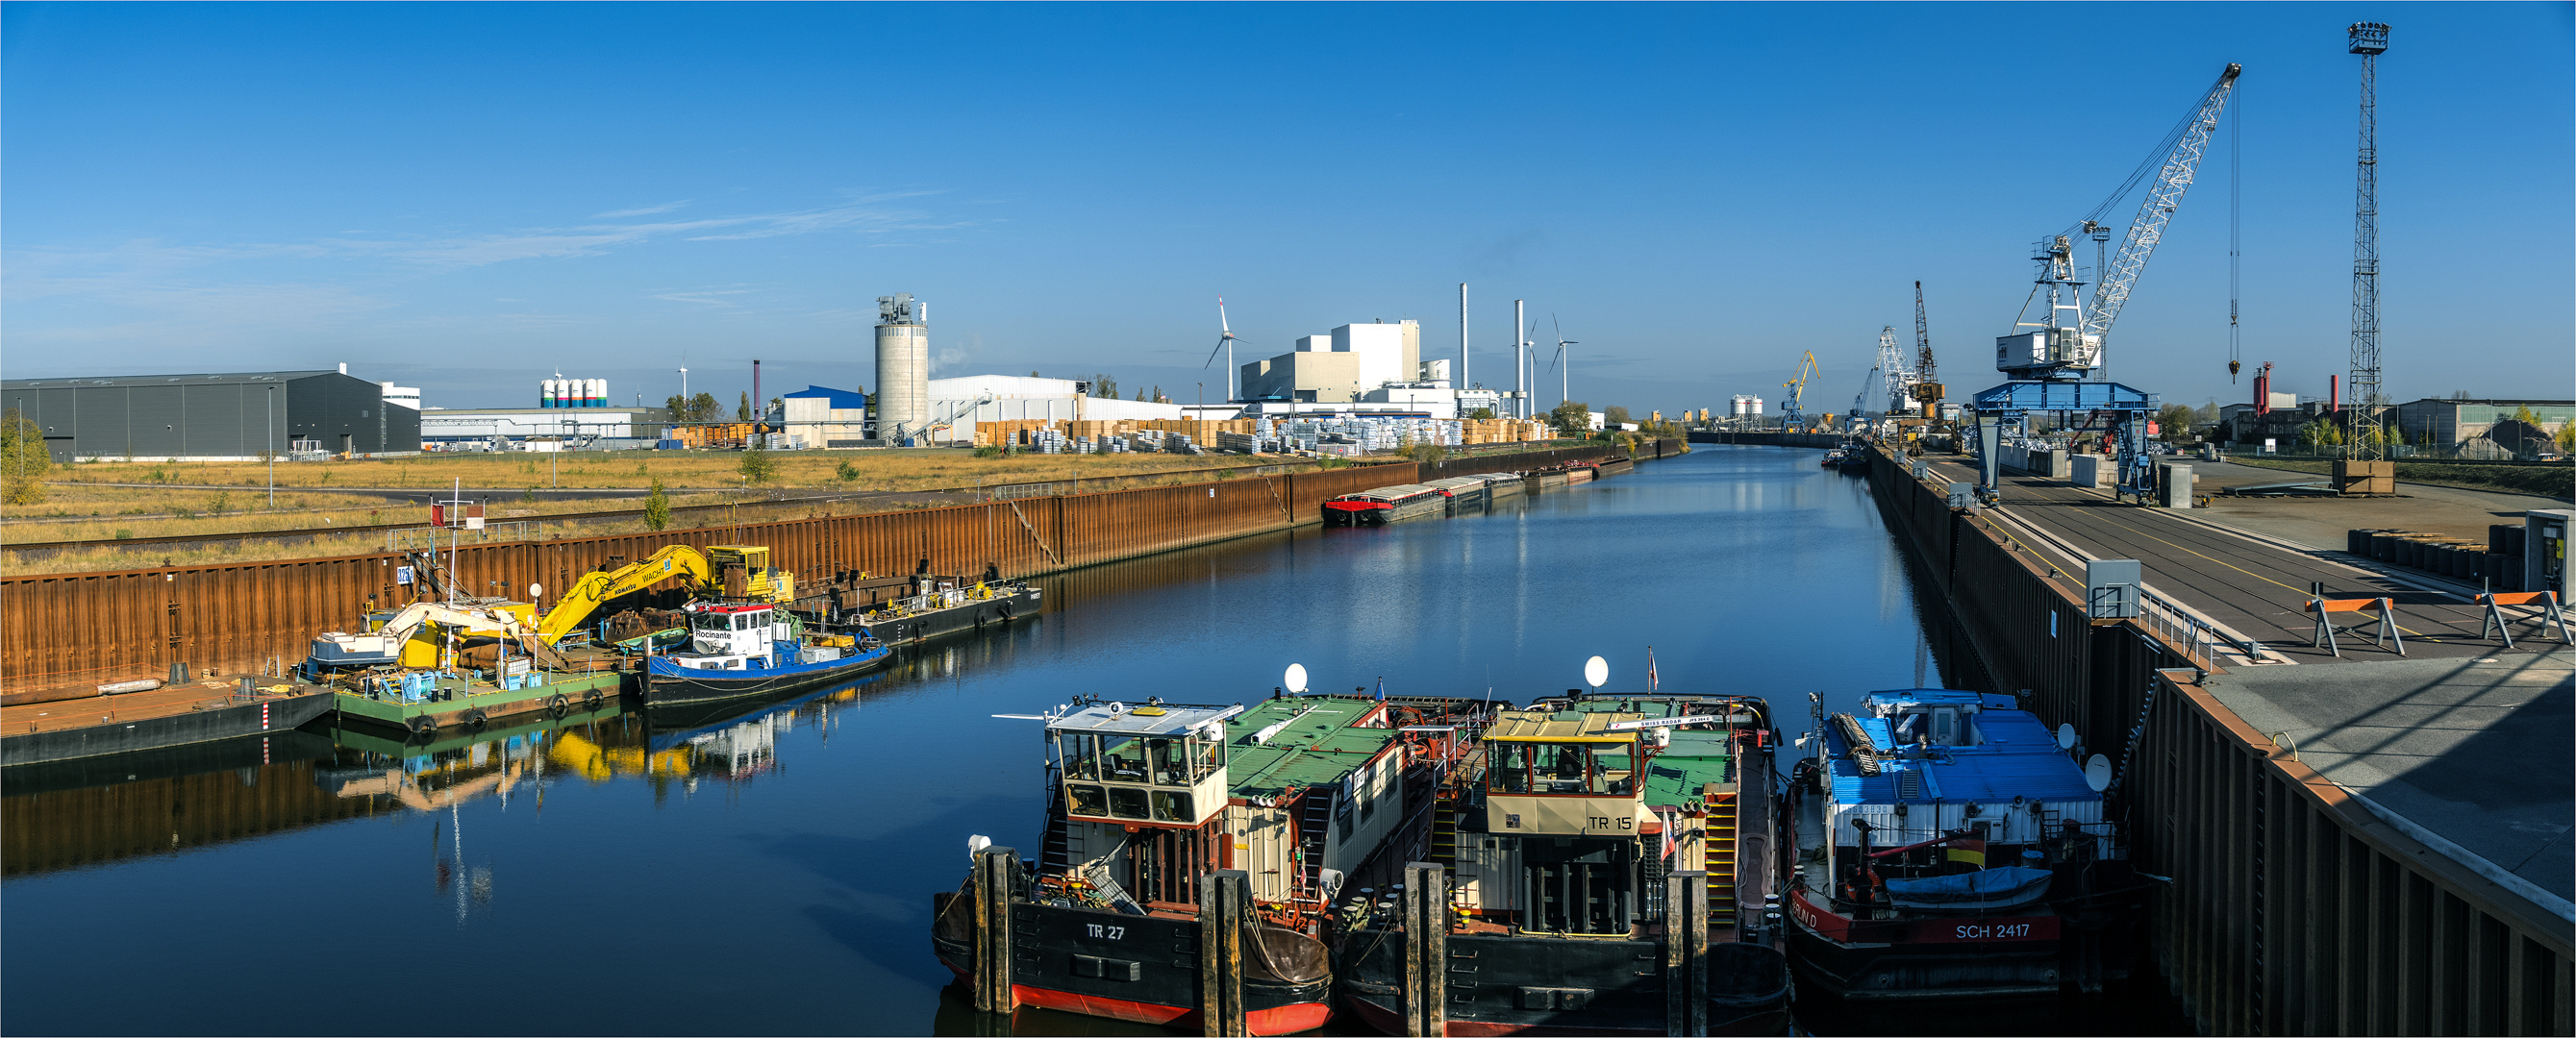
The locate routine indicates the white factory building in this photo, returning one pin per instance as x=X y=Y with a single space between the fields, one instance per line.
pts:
x=592 y=427
x=1374 y=367
x=956 y=404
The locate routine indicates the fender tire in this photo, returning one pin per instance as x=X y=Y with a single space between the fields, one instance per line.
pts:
x=591 y=701
x=474 y=718
x=421 y=725
x=558 y=706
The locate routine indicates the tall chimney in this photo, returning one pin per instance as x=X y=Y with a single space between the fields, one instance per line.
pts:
x=759 y=403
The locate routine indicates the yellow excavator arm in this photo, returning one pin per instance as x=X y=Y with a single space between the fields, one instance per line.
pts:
x=595 y=589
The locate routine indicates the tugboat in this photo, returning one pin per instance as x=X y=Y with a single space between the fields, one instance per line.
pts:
x=1947 y=846
x=745 y=649
x=1559 y=835
x=1302 y=792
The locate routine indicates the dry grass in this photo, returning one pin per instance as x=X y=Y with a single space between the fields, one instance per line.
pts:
x=923 y=469
x=82 y=502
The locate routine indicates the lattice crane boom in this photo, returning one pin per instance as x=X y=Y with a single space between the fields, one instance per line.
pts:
x=2181 y=166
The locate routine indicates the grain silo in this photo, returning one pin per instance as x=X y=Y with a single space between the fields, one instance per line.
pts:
x=903 y=368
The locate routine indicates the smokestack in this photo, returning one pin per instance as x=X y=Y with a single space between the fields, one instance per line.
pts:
x=759 y=403
x=1462 y=339
x=2334 y=393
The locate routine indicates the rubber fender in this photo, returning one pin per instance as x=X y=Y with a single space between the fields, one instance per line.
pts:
x=474 y=718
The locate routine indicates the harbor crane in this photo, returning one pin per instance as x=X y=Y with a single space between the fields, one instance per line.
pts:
x=1793 y=409
x=2054 y=360
x=1927 y=380
x=1892 y=364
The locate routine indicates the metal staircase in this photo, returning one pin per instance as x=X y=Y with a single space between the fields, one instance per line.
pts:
x=1718 y=850
x=1314 y=829
x=1445 y=810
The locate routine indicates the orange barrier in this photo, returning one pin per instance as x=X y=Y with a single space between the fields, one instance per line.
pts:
x=2543 y=603
x=2387 y=631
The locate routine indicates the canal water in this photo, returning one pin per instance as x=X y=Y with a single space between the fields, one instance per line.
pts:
x=771 y=872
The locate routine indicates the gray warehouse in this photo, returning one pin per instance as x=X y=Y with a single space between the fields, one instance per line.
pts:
x=212 y=417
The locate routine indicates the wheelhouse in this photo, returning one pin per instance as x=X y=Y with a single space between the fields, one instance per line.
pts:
x=1143 y=766
x=1564 y=774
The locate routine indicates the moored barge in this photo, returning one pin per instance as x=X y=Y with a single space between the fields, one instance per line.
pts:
x=1948 y=847
x=1560 y=835
x=1385 y=505
x=1302 y=793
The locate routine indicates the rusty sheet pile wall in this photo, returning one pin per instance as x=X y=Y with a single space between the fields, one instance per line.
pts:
x=236 y=617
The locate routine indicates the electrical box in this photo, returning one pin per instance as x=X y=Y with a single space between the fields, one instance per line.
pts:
x=2111 y=588
x=1963 y=495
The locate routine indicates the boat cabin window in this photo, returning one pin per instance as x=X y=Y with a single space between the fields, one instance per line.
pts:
x=1126 y=802
x=1207 y=757
x=1546 y=767
x=1122 y=759
x=1172 y=807
x=1079 y=755
x=714 y=621
x=1939 y=725
x=1086 y=800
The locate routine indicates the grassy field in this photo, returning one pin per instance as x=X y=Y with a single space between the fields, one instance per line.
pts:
x=116 y=500
x=2542 y=478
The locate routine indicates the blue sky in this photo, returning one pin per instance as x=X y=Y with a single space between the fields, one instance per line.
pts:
x=471 y=197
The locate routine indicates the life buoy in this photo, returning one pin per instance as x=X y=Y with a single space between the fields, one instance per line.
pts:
x=559 y=705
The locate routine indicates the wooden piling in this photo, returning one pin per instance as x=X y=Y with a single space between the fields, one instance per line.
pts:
x=995 y=869
x=1686 y=953
x=1426 y=949
x=1225 y=913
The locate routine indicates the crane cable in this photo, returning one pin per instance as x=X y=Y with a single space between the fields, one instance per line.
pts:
x=2235 y=231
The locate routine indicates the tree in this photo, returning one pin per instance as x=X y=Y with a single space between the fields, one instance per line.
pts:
x=742 y=411
x=1571 y=418
x=1614 y=416
x=1428 y=453
x=657 y=507
x=2174 y=422
x=846 y=473
x=1481 y=414
x=757 y=467
x=678 y=406
x=702 y=407
x=2565 y=438
x=23 y=459
x=1103 y=386
x=2523 y=414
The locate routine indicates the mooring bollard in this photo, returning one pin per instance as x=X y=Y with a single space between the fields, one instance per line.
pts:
x=1225 y=914
x=1686 y=953
x=1426 y=949
x=995 y=869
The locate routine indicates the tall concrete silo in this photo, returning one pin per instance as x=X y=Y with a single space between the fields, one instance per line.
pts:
x=903 y=367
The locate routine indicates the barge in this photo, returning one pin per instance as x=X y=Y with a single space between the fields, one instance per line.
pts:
x=1385 y=505
x=910 y=611
x=445 y=666
x=1559 y=836
x=1300 y=792
x=1948 y=847
x=97 y=724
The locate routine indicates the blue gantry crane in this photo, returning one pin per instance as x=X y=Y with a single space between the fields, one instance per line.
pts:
x=2055 y=361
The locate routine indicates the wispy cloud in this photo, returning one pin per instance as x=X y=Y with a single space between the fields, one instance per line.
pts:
x=645 y=211
x=708 y=296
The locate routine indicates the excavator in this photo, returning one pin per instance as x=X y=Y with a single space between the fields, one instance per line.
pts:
x=737 y=572
x=398 y=641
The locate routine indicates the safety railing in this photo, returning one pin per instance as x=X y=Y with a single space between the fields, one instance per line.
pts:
x=2178 y=626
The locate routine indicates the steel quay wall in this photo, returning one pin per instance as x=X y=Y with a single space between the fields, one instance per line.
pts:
x=2292 y=910
x=2295 y=910
x=64 y=628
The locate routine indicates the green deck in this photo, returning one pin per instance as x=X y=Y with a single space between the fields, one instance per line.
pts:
x=477 y=695
x=1318 y=749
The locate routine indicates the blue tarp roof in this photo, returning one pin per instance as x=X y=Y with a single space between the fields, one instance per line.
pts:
x=1940 y=697
x=842 y=399
x=2018 y=758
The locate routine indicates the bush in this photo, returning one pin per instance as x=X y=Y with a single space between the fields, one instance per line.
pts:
x=23 y=459
x=986 y=451
x=657 y=508
x=757 y=466
x=846 y=472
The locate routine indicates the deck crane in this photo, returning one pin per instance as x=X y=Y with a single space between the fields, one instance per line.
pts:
x=2051 y=358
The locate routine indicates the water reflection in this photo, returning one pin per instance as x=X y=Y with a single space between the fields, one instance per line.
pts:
x=815 y=829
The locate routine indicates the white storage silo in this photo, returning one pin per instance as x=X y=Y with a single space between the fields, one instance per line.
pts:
x=1753 y=407
x=597 y=394
x=903 y=368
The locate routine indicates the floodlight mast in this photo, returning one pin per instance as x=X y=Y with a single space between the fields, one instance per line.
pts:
x=2367 y=443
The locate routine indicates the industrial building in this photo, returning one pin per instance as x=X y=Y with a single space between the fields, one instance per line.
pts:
x=1341 y=366
x=592 y=428
x=903 y=368
x=2459 y=422
x=214 y=417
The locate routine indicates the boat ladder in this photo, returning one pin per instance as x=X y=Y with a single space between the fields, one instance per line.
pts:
x=1718 y=855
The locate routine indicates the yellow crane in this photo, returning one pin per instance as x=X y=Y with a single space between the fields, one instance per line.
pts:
x=1794 y=415
x=737 y=571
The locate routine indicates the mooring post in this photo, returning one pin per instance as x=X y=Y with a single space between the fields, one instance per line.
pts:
x=1426 y=949
x=1686 y=953
x=1225 y=912
x=995 y=868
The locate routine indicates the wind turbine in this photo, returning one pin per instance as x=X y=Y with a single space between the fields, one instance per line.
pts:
x=1224 y=342
x=1564 y=376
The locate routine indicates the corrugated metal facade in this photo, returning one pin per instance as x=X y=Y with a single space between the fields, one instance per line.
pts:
x=211 y=416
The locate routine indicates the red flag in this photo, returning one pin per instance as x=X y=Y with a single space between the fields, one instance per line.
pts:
x=1650 y=668
x=1669 y=845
